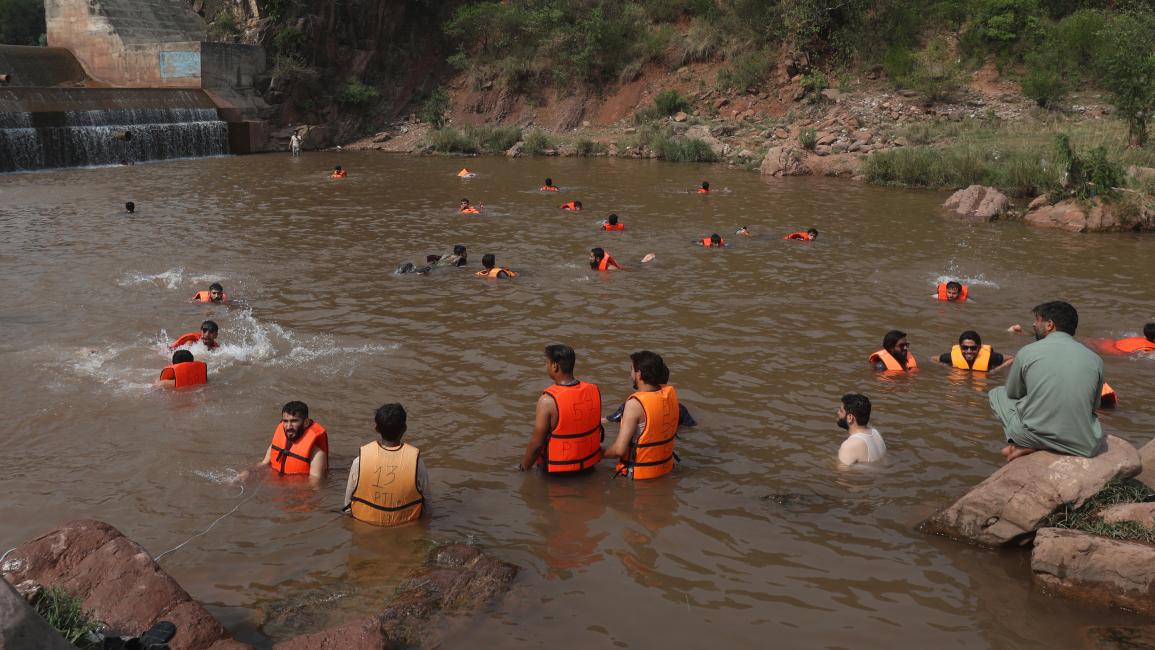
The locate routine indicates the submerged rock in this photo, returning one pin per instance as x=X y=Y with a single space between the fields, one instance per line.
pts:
x=977 y=202
x=1140 y=637
x=118 y=580
x=1097 y=569
x=1012 y=503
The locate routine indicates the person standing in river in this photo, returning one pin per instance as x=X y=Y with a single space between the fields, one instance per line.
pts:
x=388 y=480
x=295 y=145
x=299 y=446
x=1052 y=390
x=863 y=444
x=648 y=431
x=567 y=423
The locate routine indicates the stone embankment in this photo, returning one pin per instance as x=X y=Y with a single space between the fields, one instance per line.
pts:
x=125 y=589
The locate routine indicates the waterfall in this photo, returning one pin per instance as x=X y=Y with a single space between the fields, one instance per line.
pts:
x=80 y=138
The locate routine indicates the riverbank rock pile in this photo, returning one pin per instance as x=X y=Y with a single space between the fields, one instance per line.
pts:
x=1007 y=508
x=1096 y=569
x=977 y=203
x=118 y=580
x=457 y=580
x=1133 y=211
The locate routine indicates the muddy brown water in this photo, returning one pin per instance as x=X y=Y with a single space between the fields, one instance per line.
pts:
x=757 y=536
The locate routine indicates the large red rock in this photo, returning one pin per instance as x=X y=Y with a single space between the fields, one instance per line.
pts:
x=1097 y=569
x=363 y=634
x=785 y=160
x=978 y=203
x=1012 y=503
x=1134 y=213
x=118 y=580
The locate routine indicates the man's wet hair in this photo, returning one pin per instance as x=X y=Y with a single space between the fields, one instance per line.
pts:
x=972 y=335
x=613 y=219
x=892 y=338
x=598 y=252
x=577 y=204
x=459 y=249
x=210 y=326
x=337 y=167
x=182 y=356
x=651 y=366
x=858 y=406
x=562 y=355
x=299 y=409
x=1149 y=332
x=715 y=239
x=954 y=284
x=705 y=185
x=548 y=182
x=216 y=286
x=1062 y=314
x=489 y=260
x=812 y=232
x=389 y=419
x=130 y=206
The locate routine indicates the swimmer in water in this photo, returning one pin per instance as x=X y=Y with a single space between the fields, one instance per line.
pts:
x=299 y=446
x=491 y=270
x=895 y=354
x=130 y=207
x=549 y=186
x=952 y=291
x=465 y=173
x=1145 y=343
x=207 y=336
x=216 y=294
x=611 y=223
x=713 y=241
x=572 y=206
x=184 y=371
x=971 y=354
x=704 y=189
x=807 y=235
x=338 y=172
x=466 y=208
x=744 y=231
x=600 y=260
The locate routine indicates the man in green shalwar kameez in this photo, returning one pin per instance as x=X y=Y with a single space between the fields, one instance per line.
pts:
x=1052 y=390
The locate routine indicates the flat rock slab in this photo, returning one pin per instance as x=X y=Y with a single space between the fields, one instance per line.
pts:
x=977 y=202
x=1096 y=569
x=118 y=580
x=1012 y=503
x=1140 y=513
x=457 y=579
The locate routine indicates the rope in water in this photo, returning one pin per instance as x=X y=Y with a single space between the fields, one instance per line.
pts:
x=215 y=522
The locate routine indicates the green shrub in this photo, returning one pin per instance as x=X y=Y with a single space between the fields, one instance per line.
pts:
x=289 y=40
x=899 y=64
x=225 y=25
x=537 y=142
x=814 y=82
x=452 y=141
x=587 y=147
x=66 y=614
x=677 y=149
x=669 y=102
x=1045 y=81
x=1126 y=68
x=808 y=138
x=434 y=108
x=937 y=74
x=22 y=22
x=748 y=70
x=494 y=138
x=355 y=93
x=1017 y=171
x=1002 y=26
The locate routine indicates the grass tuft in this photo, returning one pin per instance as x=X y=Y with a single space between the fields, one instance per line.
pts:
x=1087 y=519
x=66 y=614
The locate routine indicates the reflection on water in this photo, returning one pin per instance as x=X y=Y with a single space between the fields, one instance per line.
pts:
x=757 y=535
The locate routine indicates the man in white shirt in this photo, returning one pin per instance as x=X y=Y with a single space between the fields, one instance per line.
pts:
x=864 y=444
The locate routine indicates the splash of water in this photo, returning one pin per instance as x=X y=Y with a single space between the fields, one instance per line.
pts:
x=171 y=279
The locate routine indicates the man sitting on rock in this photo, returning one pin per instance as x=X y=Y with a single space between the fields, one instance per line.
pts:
x=1052 y=391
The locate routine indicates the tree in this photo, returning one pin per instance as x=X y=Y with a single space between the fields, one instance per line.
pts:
x=21 y=22
x=1127 y=71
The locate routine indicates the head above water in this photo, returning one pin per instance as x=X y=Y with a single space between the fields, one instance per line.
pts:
x=716 y=239
x=336 y=168
x=216 y=292
x=577 y=204
x=389 y=420
x=295 y=419
x=464 y=203
x=489 y=260
x=560 y=360
x=612 y=219
x=1149 y=332
x=896 y=344
x=1056 y=315
x=130 y=206
x=596 y=254
x=953 y=290
x=854 y=406
x=969 y=343
x=182 y=356
x=706 y=185
x=813 y=232
x=209 y=331
x=549 y=182
x=459 y=249
x=650 y=368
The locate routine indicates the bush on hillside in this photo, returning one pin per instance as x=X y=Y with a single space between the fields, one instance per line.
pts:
x=1045 y=81
x=678 y=149
x=936 y=74
x=669 y=102
x=21 y=22
x=1126 y=68
x=1002 y=27
x=747 y=70
x=475 y=139
x=808 y=139
x=355 y=93
x=434 y=108
x=537 y=142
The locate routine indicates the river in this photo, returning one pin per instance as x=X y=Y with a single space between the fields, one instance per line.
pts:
x=757 y=535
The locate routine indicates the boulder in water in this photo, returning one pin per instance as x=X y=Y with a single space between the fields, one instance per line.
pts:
x=1008 y=507
x=1098 y=569
x=978 y=203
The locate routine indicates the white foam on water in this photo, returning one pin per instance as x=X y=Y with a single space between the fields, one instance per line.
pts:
x=227 y=476
x=171 y=278
x=107 y=367
x=975 y=281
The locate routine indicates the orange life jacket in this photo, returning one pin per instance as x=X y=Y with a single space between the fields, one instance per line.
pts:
x=962 y=295
x=1135 y=344
x=1108 y=398
x=575 y=443
x=294 y=458
x=702 y=190
x=891 y=363
x=339 y=174
x=548 y=188
x=570 y=206
x=493 y=273
x=192 y=337
x=470 y=210
x=709 y=243
x=651 y=453
x=188 y=373
x=386 y=493
x=203 y=296
x=800 y=235
x=604 y=264
x=982 y=362
x=613 y=226
x=464 y=172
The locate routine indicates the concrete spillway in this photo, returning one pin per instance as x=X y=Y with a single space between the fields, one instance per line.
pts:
x=44 y=125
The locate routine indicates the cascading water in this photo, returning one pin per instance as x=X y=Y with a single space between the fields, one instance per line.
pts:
x=45 y=140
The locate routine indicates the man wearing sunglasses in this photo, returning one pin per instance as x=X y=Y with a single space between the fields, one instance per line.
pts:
x=1052 y=391
x=971 y=354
